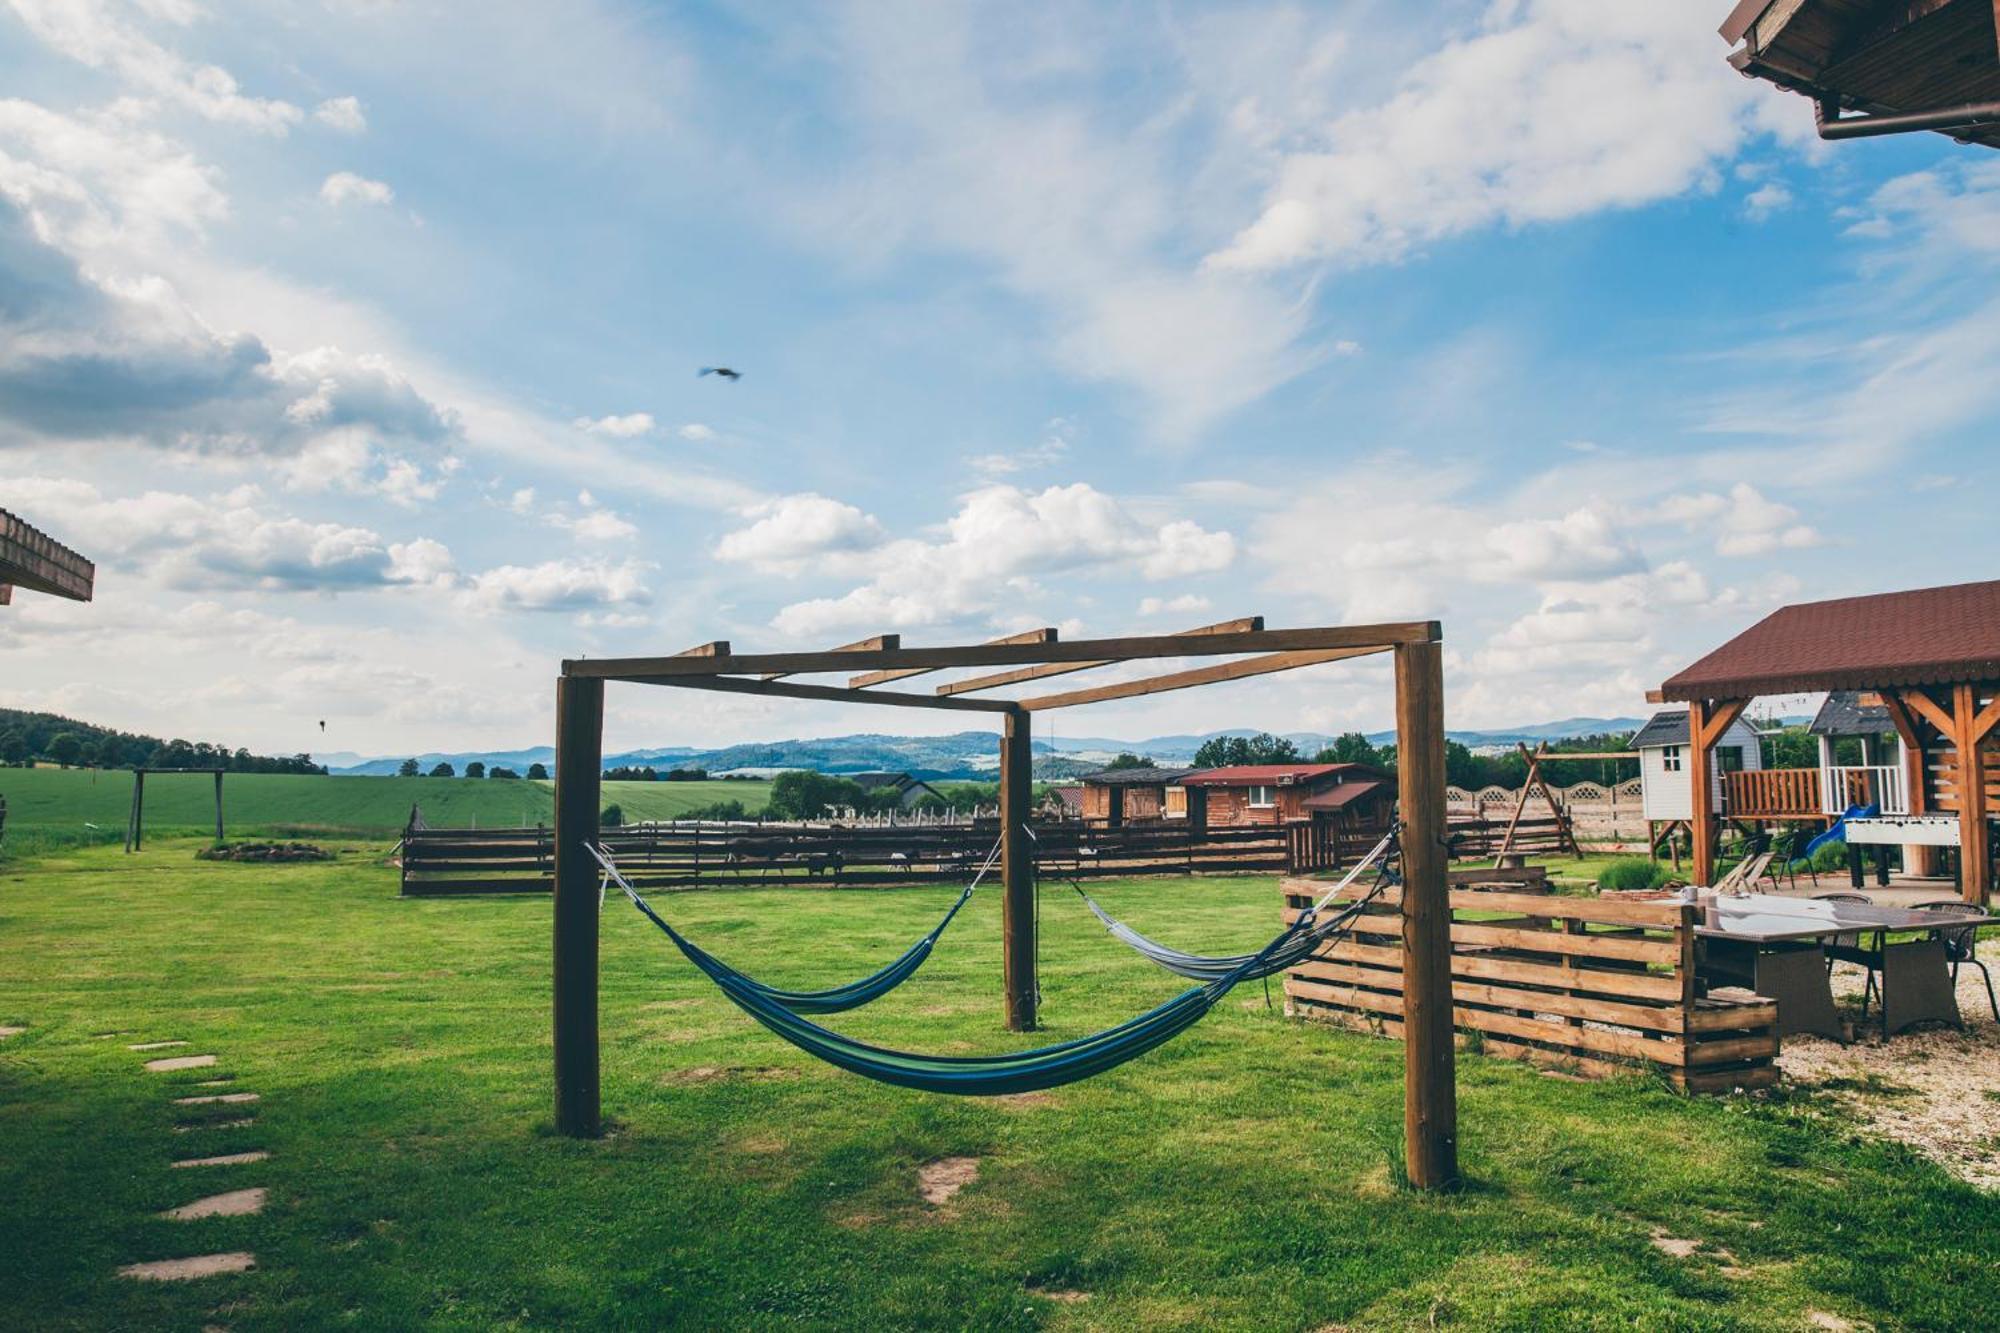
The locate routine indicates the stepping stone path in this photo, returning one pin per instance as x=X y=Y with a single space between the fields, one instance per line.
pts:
x=201 y=1265
x=10 y=1032
x=235 y=1203
x=231 y=1203
x=227 y=1159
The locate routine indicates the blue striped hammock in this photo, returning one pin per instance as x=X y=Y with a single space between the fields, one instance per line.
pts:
x=979 y=1075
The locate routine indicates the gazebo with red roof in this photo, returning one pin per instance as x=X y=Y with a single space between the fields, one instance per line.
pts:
x=1931 y=657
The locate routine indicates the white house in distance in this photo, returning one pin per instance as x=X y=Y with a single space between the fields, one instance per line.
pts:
x=1663 y=753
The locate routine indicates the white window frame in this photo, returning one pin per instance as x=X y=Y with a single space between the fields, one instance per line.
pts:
x=1270 y=800
x=1670 y=758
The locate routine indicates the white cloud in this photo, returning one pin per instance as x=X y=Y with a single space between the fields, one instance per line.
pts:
x=1051 y=449
x=1551 y=109
x=1187 y=603
x=592 y=522
x=1768 y=198
x=343 y=114
x=788 y=532
x=558 y=585
x=994 y=548
x=696 y=432
x=625 y=427
x=344 y=187
x=1743 y=521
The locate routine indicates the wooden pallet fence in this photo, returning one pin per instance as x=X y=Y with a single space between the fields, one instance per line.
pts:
x=1592 y=985
x=687 y=855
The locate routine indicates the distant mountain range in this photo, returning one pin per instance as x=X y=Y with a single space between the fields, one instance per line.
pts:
x=966 y=754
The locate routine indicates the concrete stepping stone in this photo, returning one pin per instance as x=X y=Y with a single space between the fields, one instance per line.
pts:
x=226 y=1159
x=173 y=1062
x=6 y=1032
x=153 y=1045
x=216 y=1097
x=196 y=1126
x=182 y=1270
x=234 y=1203
x=222 y=1082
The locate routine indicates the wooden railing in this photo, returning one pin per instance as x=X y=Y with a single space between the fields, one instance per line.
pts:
x=1595 y=985
x=1846 y=786
x=1772 y=793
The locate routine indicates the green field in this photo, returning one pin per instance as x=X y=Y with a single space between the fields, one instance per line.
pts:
x=1243 y=1176
x=70 y=799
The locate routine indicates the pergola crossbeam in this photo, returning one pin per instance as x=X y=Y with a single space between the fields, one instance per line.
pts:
x=1182 y=680
x=1046 y=634
x=874 y=643
x=911 y=661
x=785 y=689
x=1242 y=625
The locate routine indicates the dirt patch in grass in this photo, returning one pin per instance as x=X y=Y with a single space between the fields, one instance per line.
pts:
x=1674 y=1245
x=1060 y=1295
x=761 y=1145
x=716 y=1073
x=940 y=1181
x=1023 y=1101
x=1932 y=1089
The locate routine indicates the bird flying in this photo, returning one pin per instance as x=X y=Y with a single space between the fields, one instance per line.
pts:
x=723 y=371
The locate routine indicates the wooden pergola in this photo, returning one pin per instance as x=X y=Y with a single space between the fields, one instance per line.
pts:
x=1932 y=657
x=31 y=559
x=1430 y=1122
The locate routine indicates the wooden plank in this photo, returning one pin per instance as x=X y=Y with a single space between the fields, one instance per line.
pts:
x=1514 y=971
x=1018 y=654
x=1017 y=675
x=829 y=693
x=1924 y=706
x=1045 y=635
x=1654 y=1018
x=874 y=643
x=1664 y=952
x=1973 y=860
x=1182 y=680
x=1763 y=1046
x=713 y=648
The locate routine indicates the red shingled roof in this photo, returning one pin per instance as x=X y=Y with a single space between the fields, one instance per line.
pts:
x=1262 y=775
x=1931 y=636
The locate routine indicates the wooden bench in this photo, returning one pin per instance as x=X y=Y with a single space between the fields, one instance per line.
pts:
x=1592 y=985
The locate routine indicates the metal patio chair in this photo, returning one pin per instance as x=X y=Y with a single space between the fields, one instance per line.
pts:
x=1961 y=946
x=1850 y=948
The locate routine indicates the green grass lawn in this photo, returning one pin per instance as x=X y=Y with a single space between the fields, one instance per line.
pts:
x=1241 y=1177
x=70 y=799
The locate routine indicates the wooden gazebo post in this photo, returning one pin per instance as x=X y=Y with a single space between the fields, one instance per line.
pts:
x=1430 y=1092
x=579 y=761
x=1708 y=719
x=1017 y=874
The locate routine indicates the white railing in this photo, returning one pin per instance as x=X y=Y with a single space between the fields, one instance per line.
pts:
x=1844 y=785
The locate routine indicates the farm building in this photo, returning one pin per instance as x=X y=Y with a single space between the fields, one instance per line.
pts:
x=1355 y=796
x=1663 y=754
x=908 y=790
x=1117 y=796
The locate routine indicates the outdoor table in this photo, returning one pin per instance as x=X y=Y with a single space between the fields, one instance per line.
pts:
x=1773 y=945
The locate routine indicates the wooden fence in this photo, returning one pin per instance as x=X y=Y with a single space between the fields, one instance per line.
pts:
x=688 y=854
x=1595 y=985
x=1598 y=812
x=1473 y=836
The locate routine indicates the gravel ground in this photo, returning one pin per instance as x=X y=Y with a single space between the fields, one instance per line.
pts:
x=1934 y=1089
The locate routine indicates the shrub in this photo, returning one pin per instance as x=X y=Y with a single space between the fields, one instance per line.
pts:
x=612 y=816
x=717 y=810
x=1629 y=873
x=538 y=772
x=502 y=774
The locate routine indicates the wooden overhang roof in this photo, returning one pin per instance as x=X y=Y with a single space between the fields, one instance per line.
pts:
x=1875 y=58
x=30 y=558
x=1253 y=650
x=1930 y=636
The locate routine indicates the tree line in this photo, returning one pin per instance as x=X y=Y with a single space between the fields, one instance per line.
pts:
x=27 y=738
x=1463 y=767
x=410 y=768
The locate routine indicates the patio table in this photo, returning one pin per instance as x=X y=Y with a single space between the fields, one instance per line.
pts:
x=1773 y=945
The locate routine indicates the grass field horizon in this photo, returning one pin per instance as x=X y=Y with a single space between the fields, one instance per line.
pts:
x=66 y=800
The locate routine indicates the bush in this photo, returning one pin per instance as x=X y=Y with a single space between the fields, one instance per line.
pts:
x=1629 y=873
x=717 y=810
x=538 y=772
x=503 y=774
x=612 y=816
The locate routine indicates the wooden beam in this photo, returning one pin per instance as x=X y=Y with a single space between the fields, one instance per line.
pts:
x=579 y=769
x=1534 y=759
x=1926 y=707
x=1701 y=796
x=1017 y=675
x=1002 y=654
x=1987 y=717
x=1430 y=1093
x=1046 y=634
x=1017 y=875
x=1917 y=860
x=873 y=644
x=713 y=648
x=1181 y=680
x=1723 y=716
x=1974 y=857
x=786 y=689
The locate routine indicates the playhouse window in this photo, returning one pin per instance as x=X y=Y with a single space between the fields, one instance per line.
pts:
x=1670 y=758
x=1263 y=798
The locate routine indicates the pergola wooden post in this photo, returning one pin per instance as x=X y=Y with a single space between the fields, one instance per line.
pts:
x=1708 y=719
x=1975 y=857
x=579 y=769
x=1017 y=874
x=1430 y=1092
x=1431 y=1105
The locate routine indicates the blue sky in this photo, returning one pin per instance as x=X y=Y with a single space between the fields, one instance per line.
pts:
x=357 y=341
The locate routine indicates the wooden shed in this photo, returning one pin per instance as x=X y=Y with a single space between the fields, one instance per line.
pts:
x=1662 y=745
x=1354 y=795
x=1118 y=796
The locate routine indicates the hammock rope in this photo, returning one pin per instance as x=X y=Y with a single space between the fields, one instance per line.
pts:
x=837 y=999
x=1201 y=967
x=980 y=1075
